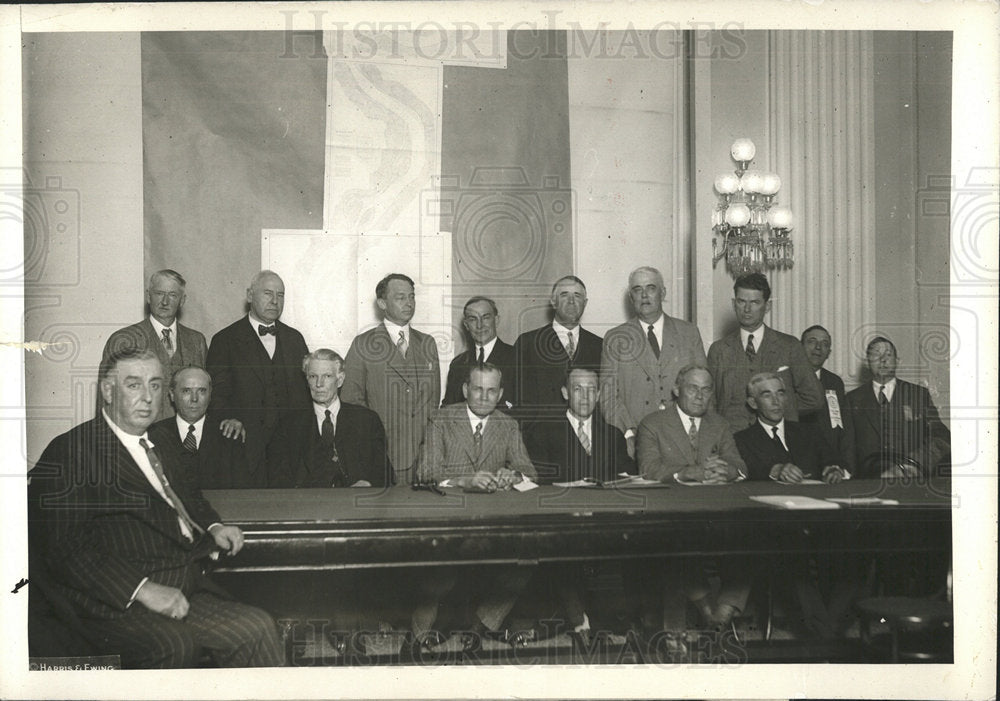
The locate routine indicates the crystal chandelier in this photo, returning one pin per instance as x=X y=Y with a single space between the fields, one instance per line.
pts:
x=754 y=231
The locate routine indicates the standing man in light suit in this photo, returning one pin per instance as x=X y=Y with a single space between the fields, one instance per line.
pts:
x=176 y=345
x=393 y=370
x=641 y=357
x=755 y=348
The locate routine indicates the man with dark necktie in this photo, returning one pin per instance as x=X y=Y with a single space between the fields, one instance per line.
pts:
x=345 y=443
x=897 y=430
x=124 y=539
x=544 y=354
x=480 y=318
x=256 y=368
x=176 y=345
x=756 y=347
x=642 y=356
x=206 y=456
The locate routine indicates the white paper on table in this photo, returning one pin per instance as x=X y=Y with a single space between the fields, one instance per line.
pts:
x=525 y=485
x=795 y=484
x=789 y=501
x=864 y=501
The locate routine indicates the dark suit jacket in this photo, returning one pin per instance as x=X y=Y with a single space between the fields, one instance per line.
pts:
x=102 y=527
x=912 y=429
x=727 y=361
x=559 y=456
x=404 y=392
x=238 y=364
x=220 y=462
x=502 y=356
x=805 y=450
x=663 y=446
x=634 y=382
x=449 y=450
x=360 y=441
x=189 y=349
x=839 y=440
x=541 y=369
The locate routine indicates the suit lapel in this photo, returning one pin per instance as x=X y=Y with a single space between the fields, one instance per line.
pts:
x=253 y=349
x=668 y=344
x=646 y=360
x=679 y=435
x=154 y=343
x=870 y=407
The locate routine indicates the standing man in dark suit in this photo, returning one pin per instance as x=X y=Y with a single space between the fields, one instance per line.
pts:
x=176 y=345
x=207 y=457
x=345 y=443
x=897 y=431
x=778 y=449
x=578 y=442
x=754 y=348
x=544 y=354
x=833 y=419
x=642 y=356
x=479 y=319
x=393 y=370
x=256 y=368
x=125 y=538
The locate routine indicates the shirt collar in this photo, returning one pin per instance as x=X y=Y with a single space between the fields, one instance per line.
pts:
x=255 y=322
x=487 y=348
x=890 y=388
x=563 y=333
x=767 y=427
x=158 y=327
x=758 y=336
x=686 y=419
x=474 y=419
x=657 y=325
x=128 y=439
x=321 y=410
x=819 y=373
x=394 y=329
x=182 y=426
x=575 y=422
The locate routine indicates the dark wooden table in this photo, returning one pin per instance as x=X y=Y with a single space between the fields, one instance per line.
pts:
x=331 y=529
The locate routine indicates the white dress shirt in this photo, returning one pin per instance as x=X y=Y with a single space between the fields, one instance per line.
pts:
x=769 y=430
x=182 y=428
x=320 y=411
x=159 y=328
x=474 y=419
x=269 y=340
x=890 y=388
x=394 y=330
x=563 y=333
x=686 y=420
x=758 y=336
x=657 y=329
x=487 y=349
x=588 y=424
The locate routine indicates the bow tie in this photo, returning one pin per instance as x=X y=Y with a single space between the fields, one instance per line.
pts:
x=264 y=330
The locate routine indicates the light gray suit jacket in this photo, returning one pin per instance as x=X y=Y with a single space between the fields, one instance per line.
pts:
x=664 y=448
x=731 y=370
x=449 y=450
x=404 y=392
x=633 y=381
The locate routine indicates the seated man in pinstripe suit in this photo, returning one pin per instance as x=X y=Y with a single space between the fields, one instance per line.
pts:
x=472 y=446
x=124 y=537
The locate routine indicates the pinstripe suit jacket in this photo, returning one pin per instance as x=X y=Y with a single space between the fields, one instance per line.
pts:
x=449 y=449
x=191 y=349
x=634 y=382
x=102 y=528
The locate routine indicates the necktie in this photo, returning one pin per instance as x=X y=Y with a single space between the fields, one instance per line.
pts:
x=264 y=330
x=482 y=356
x=182 y=514
x=584 y=438
x=693 y=434
x=327 y=431
x=751 y=349
x=777 y=438
x=167 y=343
x=477 y=438
x=882 y=399
x=190 y=442
x=653 y=342
x=401 y=343
x=570 y=346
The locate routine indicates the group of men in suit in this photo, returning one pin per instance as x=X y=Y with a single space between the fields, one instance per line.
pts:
x=255 y=409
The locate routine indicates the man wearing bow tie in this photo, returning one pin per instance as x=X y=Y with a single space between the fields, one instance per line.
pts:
x=122 y=539
x=207 y=457
x=256 y=368
x=393 y=370
x=176 y=345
